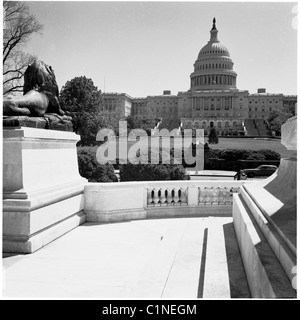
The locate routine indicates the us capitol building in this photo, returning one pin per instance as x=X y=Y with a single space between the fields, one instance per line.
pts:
x=213 y=99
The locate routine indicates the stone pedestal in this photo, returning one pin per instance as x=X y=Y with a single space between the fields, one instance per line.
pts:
x=42 y=188
x=264 y=216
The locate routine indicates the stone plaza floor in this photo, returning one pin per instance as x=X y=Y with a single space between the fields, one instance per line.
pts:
x=182 y=258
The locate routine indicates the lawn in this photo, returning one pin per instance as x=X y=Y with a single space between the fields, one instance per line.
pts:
x=251 y=144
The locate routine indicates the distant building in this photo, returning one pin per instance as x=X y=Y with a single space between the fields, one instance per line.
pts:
x=117 y=103
x=213 y=99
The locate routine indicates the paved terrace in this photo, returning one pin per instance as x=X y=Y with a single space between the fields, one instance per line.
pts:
x=185 y=258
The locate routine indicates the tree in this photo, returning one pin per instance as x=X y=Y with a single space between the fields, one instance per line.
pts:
x=213 y=136
x=278 y=117
x=139 y=122
x=80 y=95
x=83 y=102
x=19 y=26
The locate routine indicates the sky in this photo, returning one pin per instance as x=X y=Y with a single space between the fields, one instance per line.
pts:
x=143 y=48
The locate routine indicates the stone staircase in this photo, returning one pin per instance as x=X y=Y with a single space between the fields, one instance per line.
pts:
x=261 y=127
x=256 y=128
x=251 y=128
x=169 y=124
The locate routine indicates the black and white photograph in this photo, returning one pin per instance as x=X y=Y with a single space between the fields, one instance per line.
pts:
x=149 y=153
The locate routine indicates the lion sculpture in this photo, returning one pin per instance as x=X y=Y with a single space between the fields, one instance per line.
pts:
x=40 y=93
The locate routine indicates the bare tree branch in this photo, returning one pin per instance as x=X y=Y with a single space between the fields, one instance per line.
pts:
x=19 y=26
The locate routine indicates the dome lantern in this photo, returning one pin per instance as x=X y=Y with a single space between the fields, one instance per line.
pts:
x=214 y=32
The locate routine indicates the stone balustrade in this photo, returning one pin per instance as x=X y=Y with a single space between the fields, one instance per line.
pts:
x=217 y=195
x=178 y=196
x=105 y=202
x=167 y=196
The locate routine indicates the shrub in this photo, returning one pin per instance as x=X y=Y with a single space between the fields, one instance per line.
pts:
x=151 y=172
x=90 y=169
x=214 y=153
x=213 y=136
x=233 y=154
x=269 y=154
x=242 y=154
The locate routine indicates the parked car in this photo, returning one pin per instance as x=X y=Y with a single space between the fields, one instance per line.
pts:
x=263 y=170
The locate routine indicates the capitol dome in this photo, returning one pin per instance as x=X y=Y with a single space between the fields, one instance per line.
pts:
x=213 y=48
x=213 y=69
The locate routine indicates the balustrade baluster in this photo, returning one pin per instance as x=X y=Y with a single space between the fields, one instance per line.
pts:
x=173 y=196
x=200 y=196
x=155 y=196
x=220 y=196
x=163 y=198
x=210 y=193
x=150 y=197
x=179 y=195
x=227 y=196
x=176 y=196
x=168 y=196
x=183 y=196
x=159 y=196
x=214 y=196
x=206 y=196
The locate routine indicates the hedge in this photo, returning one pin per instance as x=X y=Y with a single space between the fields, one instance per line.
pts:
x=151 y=172
x=243 y=154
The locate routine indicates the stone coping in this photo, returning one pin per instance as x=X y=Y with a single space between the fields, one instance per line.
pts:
x=171 y=183
x=37 y=133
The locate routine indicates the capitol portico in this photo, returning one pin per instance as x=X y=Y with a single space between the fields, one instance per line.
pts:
x=213 y=99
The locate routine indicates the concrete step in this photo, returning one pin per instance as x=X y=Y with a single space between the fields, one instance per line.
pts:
x=185 y=277
x=200 y=259
x=216 y=276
